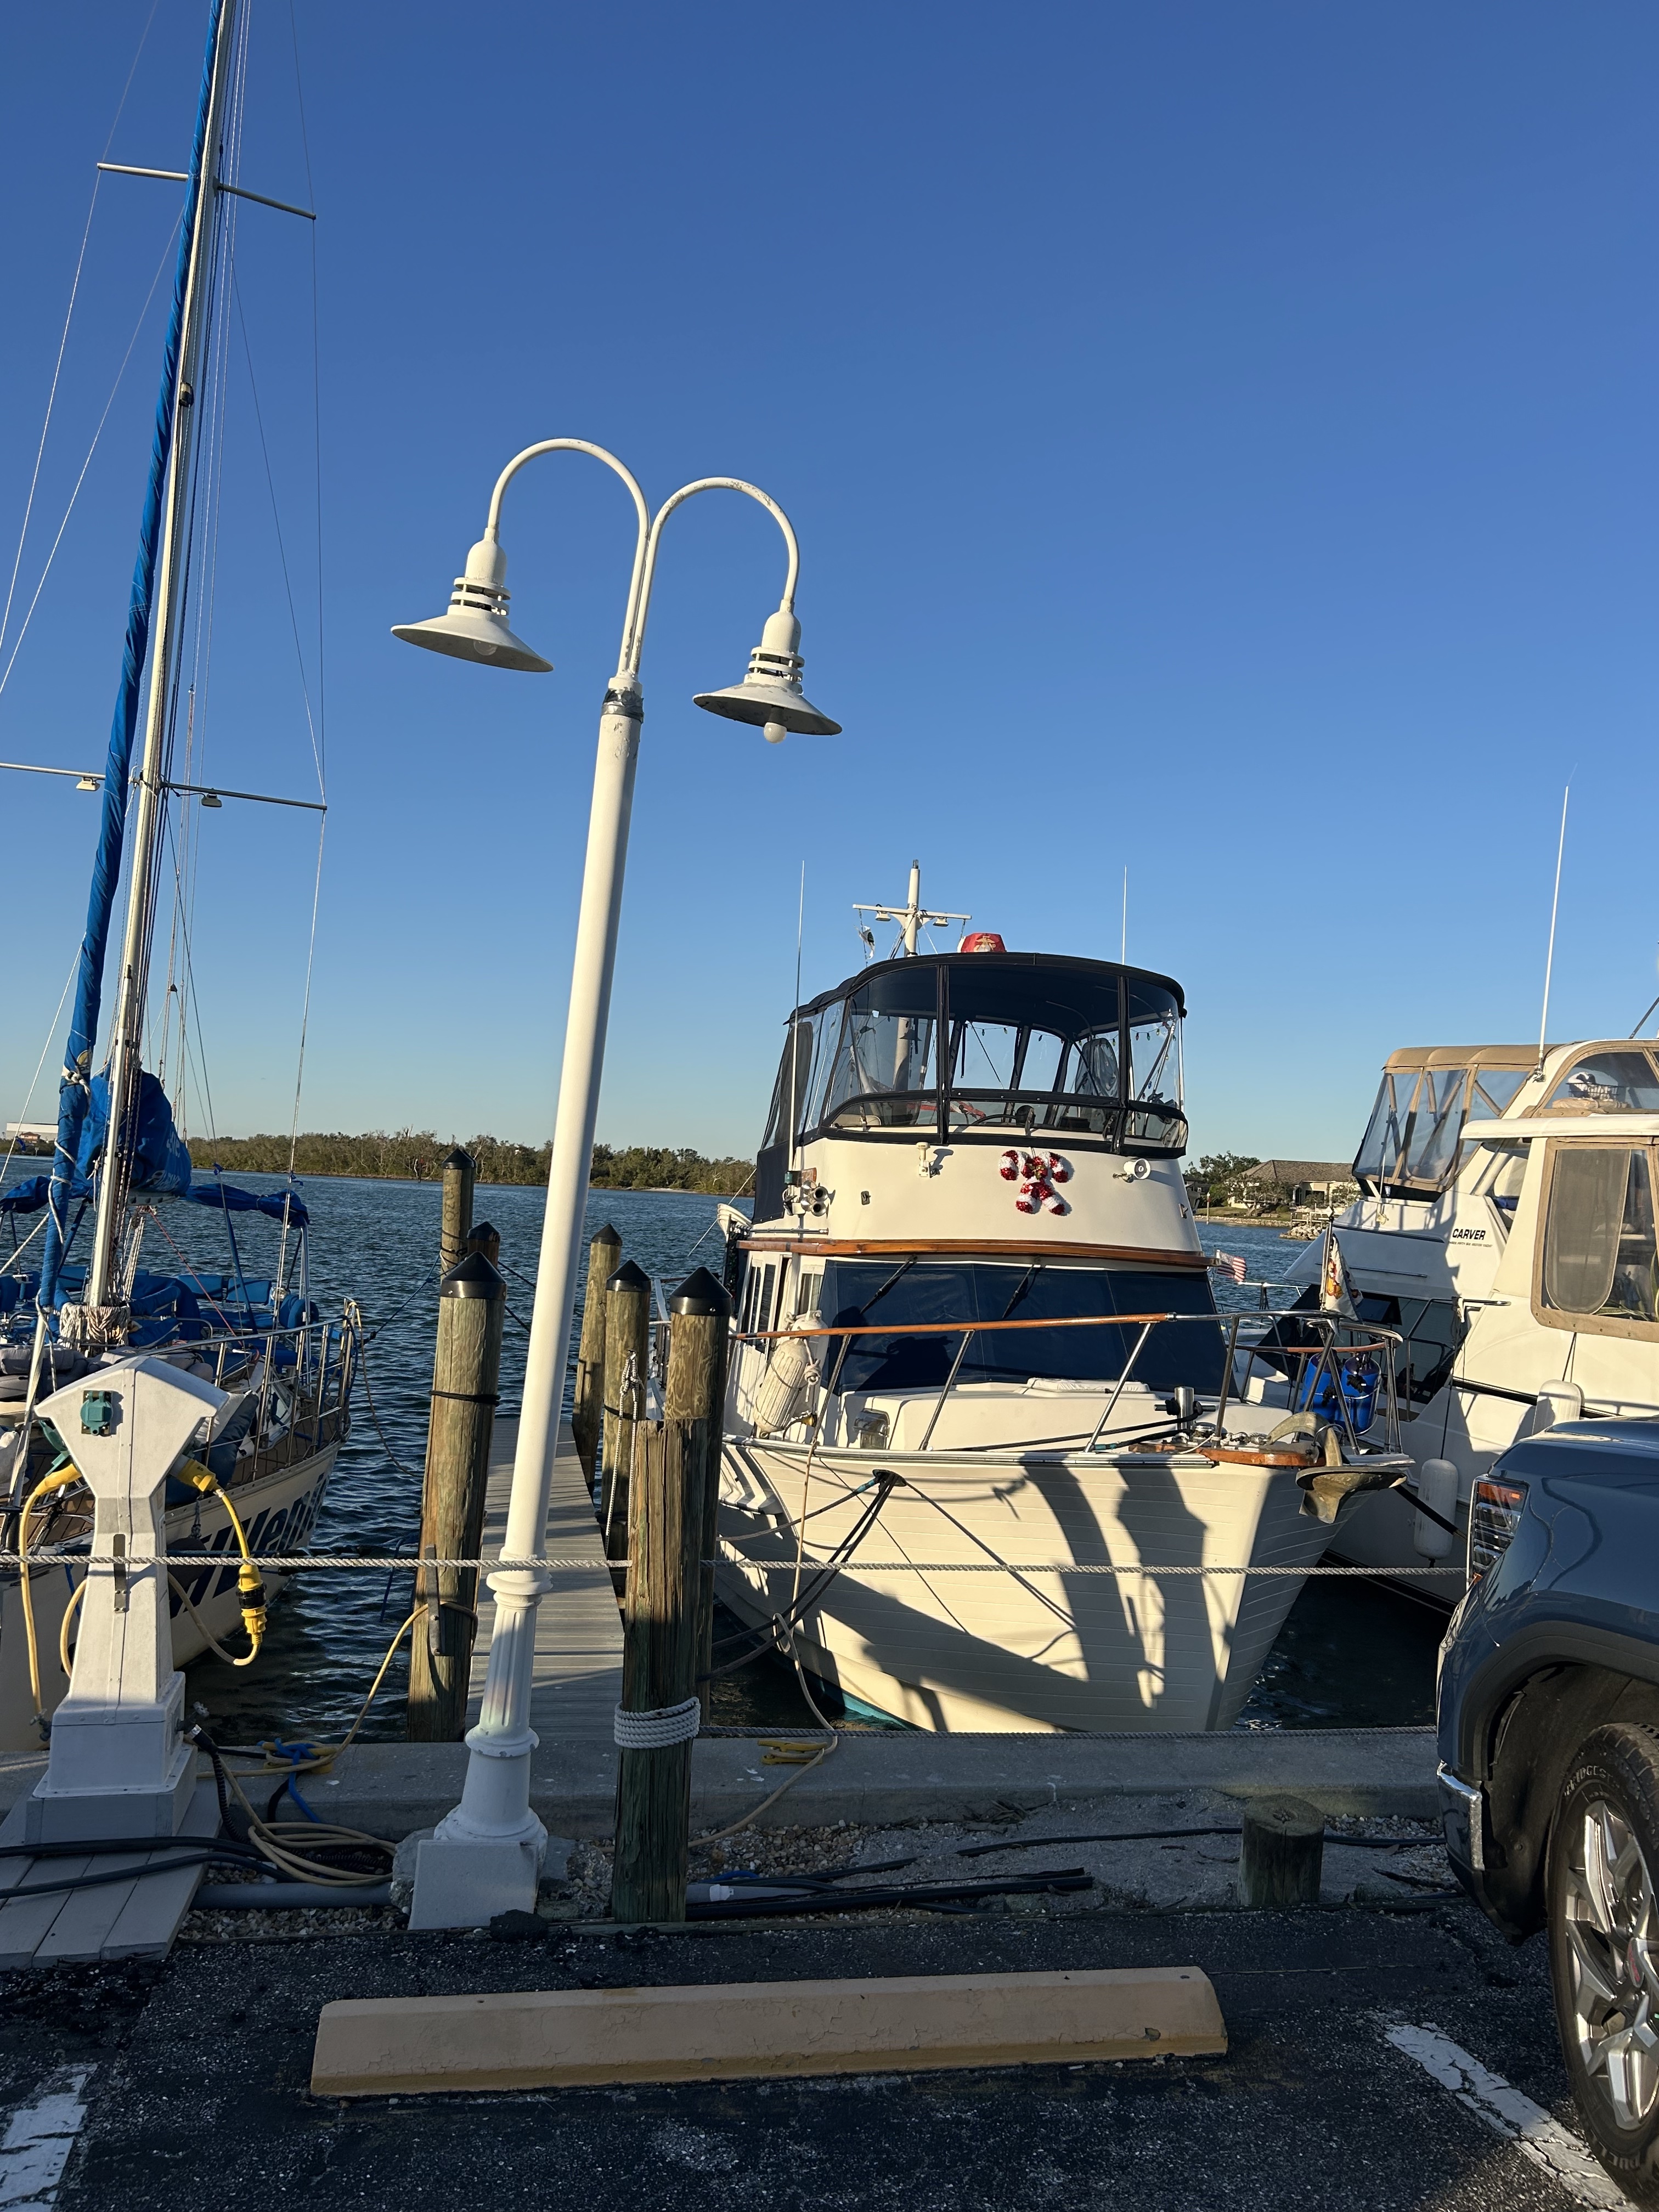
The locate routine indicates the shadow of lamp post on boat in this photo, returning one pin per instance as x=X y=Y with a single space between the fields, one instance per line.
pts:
x=485 y=1856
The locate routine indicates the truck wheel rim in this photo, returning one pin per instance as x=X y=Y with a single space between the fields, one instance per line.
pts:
x=1613 y=1953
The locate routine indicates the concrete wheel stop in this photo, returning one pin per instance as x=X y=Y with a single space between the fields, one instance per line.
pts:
x=571 y=2038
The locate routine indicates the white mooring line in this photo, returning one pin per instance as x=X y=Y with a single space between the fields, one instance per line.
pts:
x=1551 y=2147
x=38 y=2138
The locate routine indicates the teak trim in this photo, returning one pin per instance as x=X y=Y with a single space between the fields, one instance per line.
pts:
x=1012 y=1248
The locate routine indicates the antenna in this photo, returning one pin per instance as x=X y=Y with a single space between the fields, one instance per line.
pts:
x=1549 y=958
x=1123 y=950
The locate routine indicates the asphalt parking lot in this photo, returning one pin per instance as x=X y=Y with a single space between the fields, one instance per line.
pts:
x=185 y=2083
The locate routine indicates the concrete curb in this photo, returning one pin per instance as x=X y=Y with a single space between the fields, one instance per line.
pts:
x=883 y=1778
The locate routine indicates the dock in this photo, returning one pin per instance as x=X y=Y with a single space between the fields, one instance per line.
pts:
x=577 y=1684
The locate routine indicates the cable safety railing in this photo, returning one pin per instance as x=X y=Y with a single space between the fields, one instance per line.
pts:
x=1340 y=1381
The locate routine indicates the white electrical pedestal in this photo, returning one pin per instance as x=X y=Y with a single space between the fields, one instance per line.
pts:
x=117 y=1765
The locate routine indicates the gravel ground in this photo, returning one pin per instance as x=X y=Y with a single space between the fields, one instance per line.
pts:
x=199 y=2092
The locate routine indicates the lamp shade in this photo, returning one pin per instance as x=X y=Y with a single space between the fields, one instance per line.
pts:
x=770 y=695
x=475 y=627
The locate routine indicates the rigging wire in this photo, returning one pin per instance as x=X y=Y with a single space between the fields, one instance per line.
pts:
x=52 y=1032
x=281 y=550
x=69 y=317
x=22 y=632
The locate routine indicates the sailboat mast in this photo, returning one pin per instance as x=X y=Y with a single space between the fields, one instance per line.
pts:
x=133 y=984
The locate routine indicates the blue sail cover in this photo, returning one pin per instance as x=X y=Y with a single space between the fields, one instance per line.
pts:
x=25 y=1197
x=72 y=1096
x=225 y=1197
x=160 y=1157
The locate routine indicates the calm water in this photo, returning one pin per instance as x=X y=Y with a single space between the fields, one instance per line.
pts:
x=1349 y=1653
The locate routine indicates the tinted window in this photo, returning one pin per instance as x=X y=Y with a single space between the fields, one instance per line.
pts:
x=877 y=1291
x=1598 y=1251
x=1610 y=1083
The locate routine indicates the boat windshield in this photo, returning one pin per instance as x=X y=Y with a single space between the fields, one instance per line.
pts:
x=857 y=1293
x=993 y=1044
x=1412 y=1147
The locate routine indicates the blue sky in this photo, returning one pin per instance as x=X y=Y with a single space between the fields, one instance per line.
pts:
x=1221 y=440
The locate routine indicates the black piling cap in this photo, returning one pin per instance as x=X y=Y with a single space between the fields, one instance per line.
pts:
x=608 y=1236
x=627 y=1277
x=699 y=1294
x=458 y=1159
x=473 y=1278
x=480 y=1235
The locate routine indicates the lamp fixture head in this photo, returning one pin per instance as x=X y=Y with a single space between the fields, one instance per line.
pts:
x=87 y=783
x=771 y=694
x=212 y=799
x=475 y=626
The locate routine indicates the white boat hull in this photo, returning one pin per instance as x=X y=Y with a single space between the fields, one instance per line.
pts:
x=1041 y=1647
x=278 y=1511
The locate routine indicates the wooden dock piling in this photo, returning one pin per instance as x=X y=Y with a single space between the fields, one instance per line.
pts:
x=698 y=1339
x=660 y=1706
x=586 y=1412
x=1283 y=1853
x=627 y=1351
x=458 y=1177
x=466 y=1376
x=484 y=1237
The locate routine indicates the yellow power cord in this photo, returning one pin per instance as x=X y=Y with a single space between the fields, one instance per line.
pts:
x=251 y=1591
x=59 y=1479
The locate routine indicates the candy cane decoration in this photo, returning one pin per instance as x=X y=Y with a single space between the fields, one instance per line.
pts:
x=1037 y=1174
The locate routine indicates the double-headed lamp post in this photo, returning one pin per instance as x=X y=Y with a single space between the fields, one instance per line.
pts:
x=486 y=1853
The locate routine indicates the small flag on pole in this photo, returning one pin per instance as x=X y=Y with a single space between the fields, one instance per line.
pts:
x=1335 y=1292
x=1229 y=1265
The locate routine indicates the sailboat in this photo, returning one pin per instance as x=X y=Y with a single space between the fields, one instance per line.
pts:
x=992 y=1460
x=253 y=1479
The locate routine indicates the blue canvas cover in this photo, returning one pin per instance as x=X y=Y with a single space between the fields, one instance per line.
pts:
x=225 y=1198
x=161 y=1160
x=25 y=1197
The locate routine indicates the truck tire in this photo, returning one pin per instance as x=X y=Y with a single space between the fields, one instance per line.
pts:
x=1602 y=1886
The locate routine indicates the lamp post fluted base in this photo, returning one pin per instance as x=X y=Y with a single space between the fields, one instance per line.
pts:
x=485 y=1856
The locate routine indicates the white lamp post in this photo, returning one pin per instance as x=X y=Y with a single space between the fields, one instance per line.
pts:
x=486 y=1853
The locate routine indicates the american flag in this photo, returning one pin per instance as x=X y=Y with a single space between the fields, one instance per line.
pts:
x=1228 y=1264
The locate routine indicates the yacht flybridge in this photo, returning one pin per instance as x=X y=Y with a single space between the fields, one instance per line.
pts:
x=986 y=1464
x=1504 y=1230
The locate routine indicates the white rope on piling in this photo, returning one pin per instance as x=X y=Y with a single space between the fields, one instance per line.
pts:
x=656 y=1729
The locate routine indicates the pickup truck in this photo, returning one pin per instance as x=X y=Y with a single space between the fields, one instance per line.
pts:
x=1548 y=1732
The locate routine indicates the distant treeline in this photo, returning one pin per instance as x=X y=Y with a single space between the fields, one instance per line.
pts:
x=418 y=1154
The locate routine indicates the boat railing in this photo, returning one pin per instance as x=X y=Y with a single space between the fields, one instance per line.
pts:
x=319 y=1367
x=1341 y=1375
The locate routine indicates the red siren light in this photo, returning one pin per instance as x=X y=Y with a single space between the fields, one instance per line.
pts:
x=981 y=940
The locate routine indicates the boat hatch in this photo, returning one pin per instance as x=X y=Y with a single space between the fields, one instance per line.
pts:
x=957 y=1046
x=1411 y=1145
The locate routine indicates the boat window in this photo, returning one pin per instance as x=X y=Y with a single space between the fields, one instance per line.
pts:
x=857 y=1292
x=1502 y=1178
x=1599 y=1266
x=807 y=1285
x=1154 y=1063
x=764 y=1316
x=794 y=1083
x=1411 y=1141
x=1608 y=1082
x=1039 y=1068
x=1494 y=1091
x=883 y=1072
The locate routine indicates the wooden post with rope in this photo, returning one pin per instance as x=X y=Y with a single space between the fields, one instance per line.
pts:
x=699 y=1336
x=465 y=1376
x=587 y=1409
x=627 y=1351
x=662 y=1711
x=458 y=1177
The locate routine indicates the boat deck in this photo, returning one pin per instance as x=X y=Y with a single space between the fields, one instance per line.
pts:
x=577 y=1684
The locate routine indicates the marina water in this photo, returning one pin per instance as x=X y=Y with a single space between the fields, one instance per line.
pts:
x=1349 y=1653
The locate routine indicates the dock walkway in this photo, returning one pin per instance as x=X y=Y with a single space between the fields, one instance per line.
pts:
x=578 y=1680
